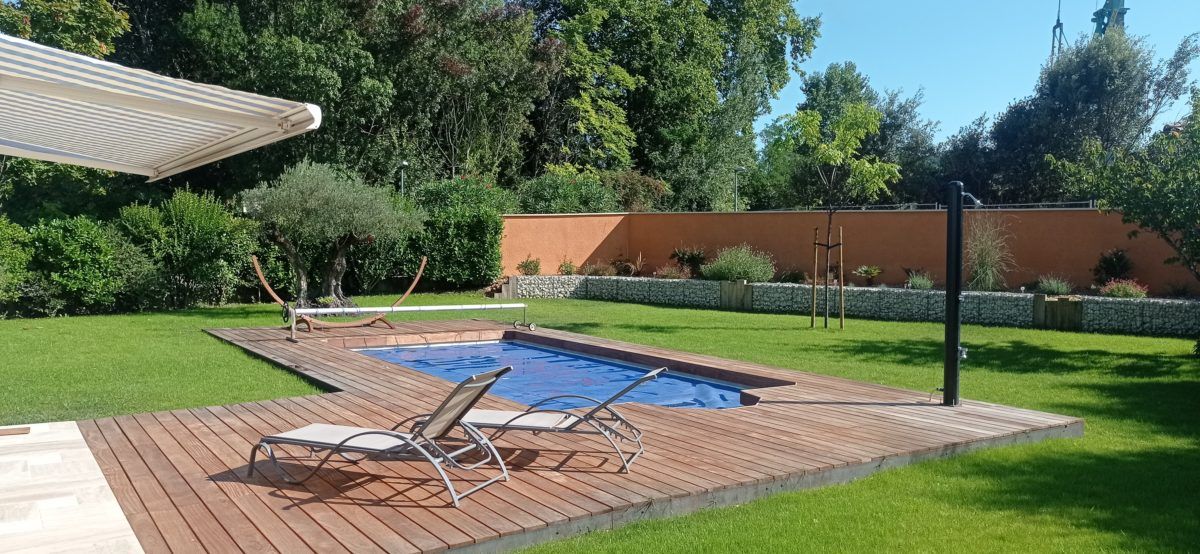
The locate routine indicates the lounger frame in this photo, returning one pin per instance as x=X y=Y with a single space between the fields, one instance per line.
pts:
x=428 y=440
x=602 y=419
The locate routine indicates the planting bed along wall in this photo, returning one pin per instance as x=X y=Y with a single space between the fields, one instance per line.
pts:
x=1111 y=315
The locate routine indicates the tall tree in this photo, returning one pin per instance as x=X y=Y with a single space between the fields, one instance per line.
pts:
x=1156 y=186
x=829 y=167
x=902 y=137
x=1108 y=88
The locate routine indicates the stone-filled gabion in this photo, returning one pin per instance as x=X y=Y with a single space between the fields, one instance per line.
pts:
x=1111 y=315
x=1145 y=316
x=549 y=286
x=997 y=308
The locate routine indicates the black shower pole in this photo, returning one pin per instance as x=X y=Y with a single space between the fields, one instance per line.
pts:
x=953 y=354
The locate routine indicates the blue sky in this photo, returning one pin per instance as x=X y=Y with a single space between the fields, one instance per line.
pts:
x=970 y=56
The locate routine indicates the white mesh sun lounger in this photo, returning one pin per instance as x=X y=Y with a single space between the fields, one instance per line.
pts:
x=602 y=419
x=429 y=439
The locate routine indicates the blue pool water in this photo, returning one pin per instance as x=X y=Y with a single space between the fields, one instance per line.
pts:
x=540 y=372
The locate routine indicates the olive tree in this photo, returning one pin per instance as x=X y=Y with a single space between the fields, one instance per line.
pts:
x=316 y=213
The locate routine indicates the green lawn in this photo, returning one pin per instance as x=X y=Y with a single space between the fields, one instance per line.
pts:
x=1132 y=483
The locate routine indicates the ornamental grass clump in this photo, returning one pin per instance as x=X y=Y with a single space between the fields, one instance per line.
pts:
x=988 y=255
x=918 y=280
x=1123 y=288
x=1054 y=286
x=739 y=263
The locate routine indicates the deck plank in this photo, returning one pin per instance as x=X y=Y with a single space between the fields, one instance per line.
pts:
x=180 y=476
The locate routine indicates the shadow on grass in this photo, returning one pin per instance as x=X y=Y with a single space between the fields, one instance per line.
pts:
x=1147 y=496
x=1021 y=357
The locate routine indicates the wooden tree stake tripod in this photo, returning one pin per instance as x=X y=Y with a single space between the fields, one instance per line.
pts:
x=817 y=246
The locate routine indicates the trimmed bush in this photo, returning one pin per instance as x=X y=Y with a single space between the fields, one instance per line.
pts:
x=530 y=266
x=1054 y=286
x=740 y=263
x=14 y=260
x=556 y=193
x=462 y=232
x=1123 y=288
x=78 y=260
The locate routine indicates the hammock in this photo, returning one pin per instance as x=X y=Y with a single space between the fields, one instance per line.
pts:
x=311 y=323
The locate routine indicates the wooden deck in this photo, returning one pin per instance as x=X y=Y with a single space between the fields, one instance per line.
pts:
x=180 y=477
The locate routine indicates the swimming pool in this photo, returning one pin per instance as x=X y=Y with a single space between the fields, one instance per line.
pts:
x=540 y=372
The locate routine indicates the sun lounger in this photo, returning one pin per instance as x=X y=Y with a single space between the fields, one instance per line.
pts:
x=601 y=419
x=429 y=439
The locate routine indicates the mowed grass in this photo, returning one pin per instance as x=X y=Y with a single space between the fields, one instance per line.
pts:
x=1132 y=483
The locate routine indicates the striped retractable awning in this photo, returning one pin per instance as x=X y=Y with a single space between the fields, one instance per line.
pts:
x=67 y=108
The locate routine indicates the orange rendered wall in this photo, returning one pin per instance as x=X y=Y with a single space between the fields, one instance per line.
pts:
x=1060 y=242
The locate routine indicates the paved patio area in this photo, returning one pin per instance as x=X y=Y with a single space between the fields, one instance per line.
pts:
x=179 y=476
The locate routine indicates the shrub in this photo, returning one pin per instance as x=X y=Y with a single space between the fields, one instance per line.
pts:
x=1113 y=265
x=558 y=193
x=197 y=244
x=629 y=268
x=386 y=257
x=690 y=258
x=793 y=275
x=598 y=269
x=530 y=266
x=672 y=271
x=740 y=263
x=868 y=273
x=1123 y=288
x=919 y=280
x=566 y=267
x=14 y=260
x=1055 y=286
x=462 y=232
x=78 y=261
x=636 y=192
x=988 y=255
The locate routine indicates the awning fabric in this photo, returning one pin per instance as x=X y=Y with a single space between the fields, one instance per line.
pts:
x=68 y=108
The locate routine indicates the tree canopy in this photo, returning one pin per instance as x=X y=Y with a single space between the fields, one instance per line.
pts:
x=1155 y=186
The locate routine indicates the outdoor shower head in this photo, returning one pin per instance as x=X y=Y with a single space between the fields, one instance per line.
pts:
x=974 y=201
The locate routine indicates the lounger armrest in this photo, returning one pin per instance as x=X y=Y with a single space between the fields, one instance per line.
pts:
x=398 y=436
x=415 y=420
x=535 y=412
x=579 y=396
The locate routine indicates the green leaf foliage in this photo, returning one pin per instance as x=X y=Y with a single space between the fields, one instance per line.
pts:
x=562 y=193
x=462 y=235
x=80 y=260
x=197 y=243
x=1153 y=187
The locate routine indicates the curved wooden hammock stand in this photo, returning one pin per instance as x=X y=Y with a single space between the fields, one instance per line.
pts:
x=311 y=323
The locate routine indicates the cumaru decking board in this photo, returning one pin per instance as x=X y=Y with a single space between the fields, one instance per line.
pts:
x=180 y=476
